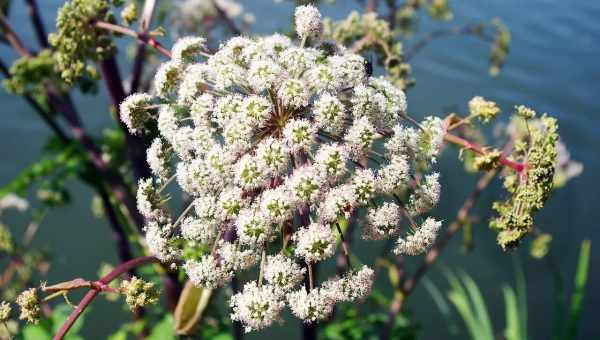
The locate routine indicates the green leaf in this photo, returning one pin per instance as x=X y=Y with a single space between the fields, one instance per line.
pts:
x=164 y=330
x=579 y=290
x=512 y=331
x=36 y=332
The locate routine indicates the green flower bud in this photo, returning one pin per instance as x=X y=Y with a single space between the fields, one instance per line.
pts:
x=485 y=110
x=525 y=112
x=489 y=161
x=5 y=311
x=540 y=246
x=139 y=293
x=129 y=14
x=29 y=303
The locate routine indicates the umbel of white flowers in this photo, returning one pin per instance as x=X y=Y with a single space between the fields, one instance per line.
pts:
x=277 y=143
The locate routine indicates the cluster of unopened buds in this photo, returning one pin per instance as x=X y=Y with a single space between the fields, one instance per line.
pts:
x=280 y=145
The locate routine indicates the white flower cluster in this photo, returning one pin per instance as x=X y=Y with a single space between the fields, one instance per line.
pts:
x=277 y=142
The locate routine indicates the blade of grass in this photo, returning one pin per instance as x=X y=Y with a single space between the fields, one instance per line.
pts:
x=579 y=290
x=478 y=303
x=460 y=299
x=512 y=331
x=521 y=294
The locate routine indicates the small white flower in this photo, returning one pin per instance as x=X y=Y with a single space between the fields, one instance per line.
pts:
x=363 y=185
x=273 y=156
x=431 y=138
x=253 y=228
x=220 y=161
x=206 y=207
x=231 y=202
x=383 y=222
x=149 y=202
x=190 y=143
x=228 y=108
x=248 y=174
x=283 y=273
x=306 y=184
x=322 y=78
x=200 y=230
x=207 y=272
x=331 y=161
x=167 y=78
x=312 y=306
x=234 y=257
x=348 y=69
x=275 y=44
x=354 y=286
x=293 y=93
x=298 y=60
x=257 y=110
x=368 y=102
x=167 y=122
x=299 y=135
x=360 y=137
x=329 y=113
x=201 y=109
x=134 y=112
x=421 y=240
x=395 y=100
x=187 y=49
x=158 y=157
x=426 y=196
x=196 y=177
x=276 y=204
x=308 y=21
x=194 y=83
x=159 y=242
x=264 y=74
x=394 y=175
x=314 y=243
x=404 y=141
x=256 y=307
x=339 y=203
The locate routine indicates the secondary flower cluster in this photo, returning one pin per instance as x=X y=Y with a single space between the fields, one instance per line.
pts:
x=277 y=142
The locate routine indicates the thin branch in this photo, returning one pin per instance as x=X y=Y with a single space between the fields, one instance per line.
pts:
x=407 y=288
x=468 y=145
x=140 y=53
x=118 y=232
x=136 y=146
x=144 y=38
x=63 y=104
x=12 y=37
x=38 y=24
x=228 y=21
x=371 y=6
x=89 y=297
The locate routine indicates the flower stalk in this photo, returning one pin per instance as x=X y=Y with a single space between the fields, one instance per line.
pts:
x=95 y=288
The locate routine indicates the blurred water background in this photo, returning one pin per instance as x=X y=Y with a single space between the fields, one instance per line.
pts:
x=552 y=67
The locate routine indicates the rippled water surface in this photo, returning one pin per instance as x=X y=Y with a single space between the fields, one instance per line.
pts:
x=553 y=67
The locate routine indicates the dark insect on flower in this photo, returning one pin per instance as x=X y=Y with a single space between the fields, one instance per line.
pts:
x=369 y=66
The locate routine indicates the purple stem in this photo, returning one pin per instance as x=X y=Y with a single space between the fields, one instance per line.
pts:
x=89 y=296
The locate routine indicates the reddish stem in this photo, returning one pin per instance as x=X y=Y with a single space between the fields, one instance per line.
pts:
x=142 y=37
x=517 y=166
x=98 y=287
